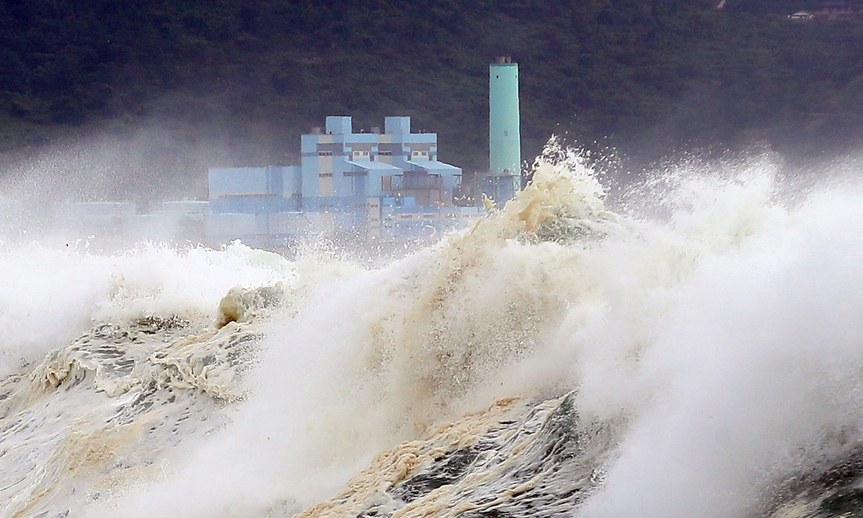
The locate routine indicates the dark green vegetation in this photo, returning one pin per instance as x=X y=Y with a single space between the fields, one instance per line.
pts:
x=218 y=81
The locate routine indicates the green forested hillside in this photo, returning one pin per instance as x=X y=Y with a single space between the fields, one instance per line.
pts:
x=234 y=82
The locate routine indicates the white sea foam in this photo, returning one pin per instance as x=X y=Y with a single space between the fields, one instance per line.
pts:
x=50 y=295
x=749 y=375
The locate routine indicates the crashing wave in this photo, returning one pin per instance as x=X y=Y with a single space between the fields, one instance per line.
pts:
x=555 y=359
x=104 y=409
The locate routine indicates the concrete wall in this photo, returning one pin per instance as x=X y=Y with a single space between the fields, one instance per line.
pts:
x=250 y=181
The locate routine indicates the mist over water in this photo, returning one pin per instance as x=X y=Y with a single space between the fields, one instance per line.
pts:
x=702 y=338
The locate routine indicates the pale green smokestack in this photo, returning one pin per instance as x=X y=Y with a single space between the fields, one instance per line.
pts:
x=504 y=135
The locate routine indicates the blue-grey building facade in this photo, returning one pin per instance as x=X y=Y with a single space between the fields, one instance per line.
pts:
x=364 y=181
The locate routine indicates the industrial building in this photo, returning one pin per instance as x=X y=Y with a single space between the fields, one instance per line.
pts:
x=340 y=165
x=368 y=184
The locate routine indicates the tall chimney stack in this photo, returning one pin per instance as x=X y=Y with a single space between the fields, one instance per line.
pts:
x=504 y=134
